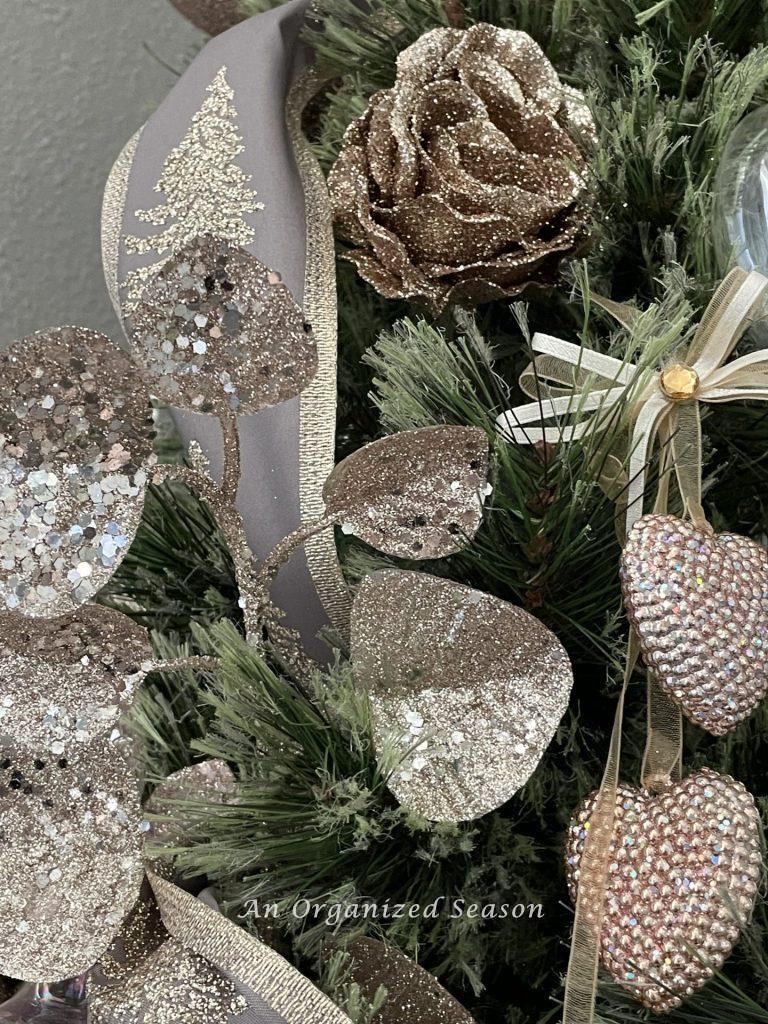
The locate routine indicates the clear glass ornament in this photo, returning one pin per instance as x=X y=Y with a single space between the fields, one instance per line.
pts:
x=64 y=1002
x=740 y=228
x=741 y=196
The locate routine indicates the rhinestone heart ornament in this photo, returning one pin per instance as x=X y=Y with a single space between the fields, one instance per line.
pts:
x=699 y=604
x=683 y=874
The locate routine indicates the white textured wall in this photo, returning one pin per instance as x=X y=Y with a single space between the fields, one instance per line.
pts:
x=76 y=83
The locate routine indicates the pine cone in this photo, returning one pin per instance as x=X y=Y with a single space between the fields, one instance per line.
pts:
x=464 y=181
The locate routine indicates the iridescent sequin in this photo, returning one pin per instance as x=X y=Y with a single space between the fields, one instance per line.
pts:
x=75 y=440
x=466 y=690
x=219 y=331
x=683 y=873
x=699 y=604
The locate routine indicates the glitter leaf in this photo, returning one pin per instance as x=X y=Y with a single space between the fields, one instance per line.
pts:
x=685 y=865
x=75 y=438
x=468 y=689
x=417 y=494
x=219 y=331
x=414 y=996
x=699 y=603
x=173 y=985
x=69 y=799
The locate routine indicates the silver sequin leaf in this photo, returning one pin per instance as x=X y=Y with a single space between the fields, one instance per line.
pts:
x=75 y=438
x=65 y=681
x=699 y=604
x=685 y=867
x=417 y=494
x=466 y=691
x=414 y=996
x=69 y=798
x=218 y=331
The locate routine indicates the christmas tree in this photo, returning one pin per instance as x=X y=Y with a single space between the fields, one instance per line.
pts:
x=666 y=84
x=205 y=191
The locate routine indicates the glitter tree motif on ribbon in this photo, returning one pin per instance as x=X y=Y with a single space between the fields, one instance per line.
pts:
x=205 y=191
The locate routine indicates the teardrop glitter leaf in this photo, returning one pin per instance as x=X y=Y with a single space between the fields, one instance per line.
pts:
x=219 y=331
x=206 y=782
x=414 y=996
x=75 y=438
x=69 y=799
x=467 y=688
x=417 y=494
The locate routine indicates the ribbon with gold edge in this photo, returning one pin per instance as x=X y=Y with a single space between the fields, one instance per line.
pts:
x=660 y=405
x=243 y=957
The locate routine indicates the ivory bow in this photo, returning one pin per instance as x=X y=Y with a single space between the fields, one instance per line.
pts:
x=577 y=380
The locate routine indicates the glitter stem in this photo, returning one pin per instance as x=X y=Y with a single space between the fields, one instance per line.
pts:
x=191 y=662
x=279 y=555
x=454 y=12
x=231 y=476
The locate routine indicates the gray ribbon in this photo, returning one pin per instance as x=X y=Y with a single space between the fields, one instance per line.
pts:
x=262 y=57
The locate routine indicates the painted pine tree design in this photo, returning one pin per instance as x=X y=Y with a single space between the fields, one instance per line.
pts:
x=205 y=191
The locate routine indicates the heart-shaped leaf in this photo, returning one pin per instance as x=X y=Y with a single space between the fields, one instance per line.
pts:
x=418 y=494
x=69 y=799
x=685 y=865
x=218 y=330
x=468 y=688
x=699 y=603
x=75 y=438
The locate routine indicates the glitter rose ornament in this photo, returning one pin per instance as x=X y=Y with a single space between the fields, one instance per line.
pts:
x=464 y=182
x=212 y=16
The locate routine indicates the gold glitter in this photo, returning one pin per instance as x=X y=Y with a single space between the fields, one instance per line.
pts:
x=141 y=934
x=684 y=870
x=172 y=986
x=70 y=817
x=219 y=331
x=699 y=603
x=239 y=955
x=468 y=688
x=464 y=181
x=205 y=191
x=75 y=442
x=417 y=494
x=414 y=996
